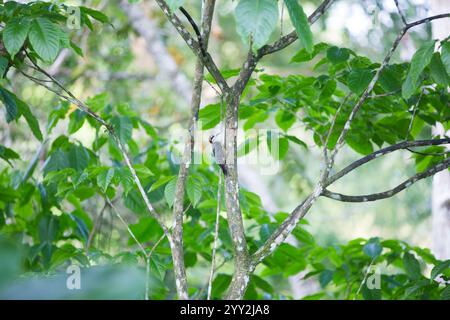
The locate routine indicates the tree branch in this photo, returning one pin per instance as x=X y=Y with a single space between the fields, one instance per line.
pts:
x=178 y=207
x=280 y=235
x=388 y=194
x=195 y=46
x=252 y=59
x=243 y=264
x=366 y=94
x=290 y=38
x=403 y=145
x=400 y=13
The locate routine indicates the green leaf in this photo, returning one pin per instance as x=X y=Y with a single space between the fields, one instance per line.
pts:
x=16 y=108
x=445 y=55
x=9 y=102
x=33 y=123
x=15 y=34
x=325 y=278
x=209 y=116
x=256 y=20
x=411 y=265
x=359 y=143
x=194 y=190
x=97 y=15
x=57 y=161
x=104 y=179
x=76 y=121
x=8 y=154
x=256 y=117
x=227 y=74
x=160 y=182
x=419 y=61
x=220 y=284
x=126 y=179
x=297 y=141
x=437 y=70
x=169 y=192
x=338 y=55
x=123 y=128
x=174 y=4
x=278 y=146
x=445 y=295
x=284 y=119
x=45 y=38
x=373 y=248
x=4 y=64
x=78 y=157
x=359 y=79
x=301 y=24
x=303 y=55
x=439 y=269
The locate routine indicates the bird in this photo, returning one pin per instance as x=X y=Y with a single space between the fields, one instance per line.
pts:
x=218 y=154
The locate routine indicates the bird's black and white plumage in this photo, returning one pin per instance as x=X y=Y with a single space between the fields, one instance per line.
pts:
x=218 y=153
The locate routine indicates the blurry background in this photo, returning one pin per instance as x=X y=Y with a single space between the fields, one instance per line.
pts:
x=142 y=61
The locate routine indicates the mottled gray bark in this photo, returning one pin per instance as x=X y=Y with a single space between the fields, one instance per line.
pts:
x=178 y=207
x=240 y=278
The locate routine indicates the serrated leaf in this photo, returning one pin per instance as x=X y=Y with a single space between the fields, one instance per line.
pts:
x=169 y=192
x=445 y=56
x=4 y=64
x=359 y=79
x=439 y=268
x=97 y=15
x=14 y=35
x=256 y=20
x=338 y=55
x=301 y=24
x=123 y=128
x=104 y=179
x=126 y=179
x=194 y=190
x=303 y=55
x=445 y=295
x=411 y=265
x=437 y=70
x=78 y=157
x=33 y=123
x=160 y=182
x=419 y=61
x=45 y=38
x=10 y=104
x=76 y=121
x=8 y=154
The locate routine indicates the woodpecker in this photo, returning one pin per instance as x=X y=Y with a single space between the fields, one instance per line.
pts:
x=218 y=153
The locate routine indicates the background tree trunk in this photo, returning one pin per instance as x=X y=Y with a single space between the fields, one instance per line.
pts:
x=440 y=230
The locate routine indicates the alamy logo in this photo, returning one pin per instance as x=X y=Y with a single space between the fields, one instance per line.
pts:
x=73 y=18
x=73 y=281
x=374 y=279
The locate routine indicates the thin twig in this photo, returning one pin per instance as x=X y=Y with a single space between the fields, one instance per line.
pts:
x=95 y=227
x=216 y=235
x=400 y=12
x=364 y=279
x=333 y=124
